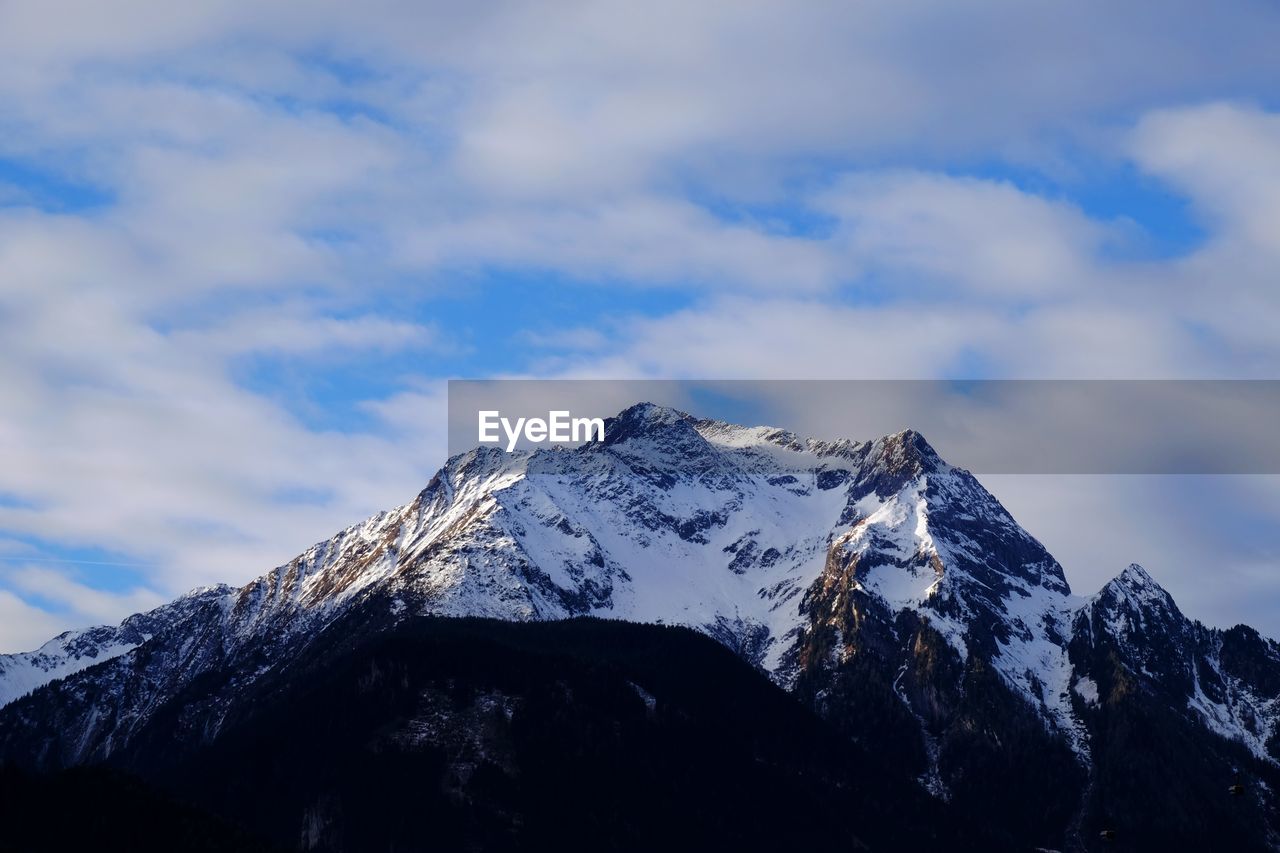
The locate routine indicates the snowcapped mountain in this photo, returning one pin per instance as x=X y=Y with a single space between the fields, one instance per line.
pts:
x=72 y=651
x=1226 y=680
x=884 y=587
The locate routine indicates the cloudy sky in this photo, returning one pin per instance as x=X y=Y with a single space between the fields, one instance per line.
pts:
x=243 y=244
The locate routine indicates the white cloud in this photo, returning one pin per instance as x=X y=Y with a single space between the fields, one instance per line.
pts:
x=92 y=605
x=641 y=240
x=1227 y=158
x=1205 y=538
x=280 y=179
x=986 y=237
x=298 y=331
x=789 y=339
x=24 y=627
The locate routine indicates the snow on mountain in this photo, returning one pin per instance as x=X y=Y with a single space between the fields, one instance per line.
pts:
x=1226 y=679
x=64 y=655
x=753 y=535
x=73 y=651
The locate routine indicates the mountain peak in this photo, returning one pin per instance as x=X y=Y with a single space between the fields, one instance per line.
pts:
x=644 y=419
x=913 y=443
x=894 y=460
x=906 y=447
x=651 y=413
x=1136 y=579
x=1136 y=587
x=1136 y=576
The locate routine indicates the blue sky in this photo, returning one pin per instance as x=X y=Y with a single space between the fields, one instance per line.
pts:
x=242 y=245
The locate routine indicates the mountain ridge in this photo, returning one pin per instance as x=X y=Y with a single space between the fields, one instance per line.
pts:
x=854 y=574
